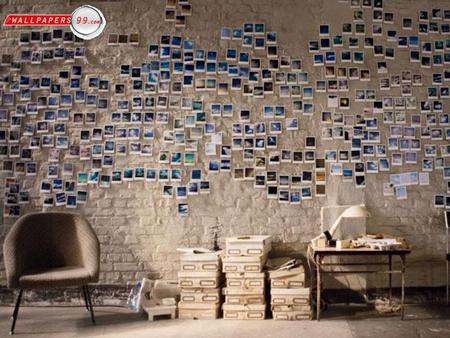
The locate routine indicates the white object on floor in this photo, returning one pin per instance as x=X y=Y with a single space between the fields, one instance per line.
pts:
x=161 y=310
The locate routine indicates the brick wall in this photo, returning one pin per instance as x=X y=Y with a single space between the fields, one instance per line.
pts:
x=139 y=230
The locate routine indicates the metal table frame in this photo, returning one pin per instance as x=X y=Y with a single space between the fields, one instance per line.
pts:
x=447 y=257
x=316 y=256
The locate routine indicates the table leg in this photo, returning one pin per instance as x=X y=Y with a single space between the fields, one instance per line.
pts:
x=390 y=279
x=403 y=259
x=318 y=287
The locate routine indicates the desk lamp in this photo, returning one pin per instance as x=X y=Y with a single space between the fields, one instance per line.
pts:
x=354 y=211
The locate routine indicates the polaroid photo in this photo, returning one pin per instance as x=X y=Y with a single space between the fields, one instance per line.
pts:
x=48 y=202
x=183 y=209
x=306 y=193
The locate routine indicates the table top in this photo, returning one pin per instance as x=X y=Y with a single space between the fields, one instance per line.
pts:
x=358 y=251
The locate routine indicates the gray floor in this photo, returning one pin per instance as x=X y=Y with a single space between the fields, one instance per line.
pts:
x=338 y=321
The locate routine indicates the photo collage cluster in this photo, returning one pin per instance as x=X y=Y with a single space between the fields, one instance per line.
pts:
x=185 y=113
x=392 y=132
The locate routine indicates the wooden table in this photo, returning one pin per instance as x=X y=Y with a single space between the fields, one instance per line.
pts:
x=316 y=256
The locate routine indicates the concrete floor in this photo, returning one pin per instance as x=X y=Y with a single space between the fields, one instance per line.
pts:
x=339 y=321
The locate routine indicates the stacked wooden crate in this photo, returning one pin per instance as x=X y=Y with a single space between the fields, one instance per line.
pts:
x=243 y=265
x=200 y=280
x=290 y=298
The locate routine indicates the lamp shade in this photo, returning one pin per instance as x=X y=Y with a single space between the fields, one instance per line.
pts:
x=355 y=211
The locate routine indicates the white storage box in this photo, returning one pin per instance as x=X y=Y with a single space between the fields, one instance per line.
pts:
x=291 y=308
x=198 y=311
x=201 y=295
x=245 y=299
x=290 y=296
x=243 y=263
x=245 y=280
x=294 y=315
x=284 y=279
x=244 y=312
x=200 y=262
x=248 y=245
x=200 y=279
x=242 y=292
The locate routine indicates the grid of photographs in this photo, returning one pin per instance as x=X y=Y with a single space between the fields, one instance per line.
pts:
x=185 y=114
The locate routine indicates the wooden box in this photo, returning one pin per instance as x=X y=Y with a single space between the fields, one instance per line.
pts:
x=248 y=245
x=200 y=279
x=200 y=262
x=245 y=280
x=286 y=279
x=243 y=263
x=198 y=310
x=201 y=296
x=244 y=312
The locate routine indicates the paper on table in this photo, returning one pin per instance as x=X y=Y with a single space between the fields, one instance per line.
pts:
x=384 y=243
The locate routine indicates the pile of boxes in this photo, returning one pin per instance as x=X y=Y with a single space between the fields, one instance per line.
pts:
x=243 y=264
x=200 y=280
x=290 y=298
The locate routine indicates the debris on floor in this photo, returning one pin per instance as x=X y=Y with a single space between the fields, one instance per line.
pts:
x=384 y=306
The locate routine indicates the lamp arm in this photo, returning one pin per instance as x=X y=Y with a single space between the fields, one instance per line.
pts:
x=331 y=231
x=335 y=225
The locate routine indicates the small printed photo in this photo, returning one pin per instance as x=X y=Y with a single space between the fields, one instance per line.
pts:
x=181 y=192
x=310 y=142
x=401 y=192
x=167 y=191
x=295 y=197
x=93 y=177
x=360 y=181
x=46 y=187
x=388 y=189
x=183 y=209
x=71 y=202
x=60 y=199
x=204 y=187
x=320 y=190
x=446 y=172
x=347 y=175
x=306 y=193
x=283 y=196
x=336 y=169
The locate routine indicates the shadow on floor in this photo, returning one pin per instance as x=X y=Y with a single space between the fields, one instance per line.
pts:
x=355 y=312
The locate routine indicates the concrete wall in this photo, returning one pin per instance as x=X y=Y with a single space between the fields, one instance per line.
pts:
x=139 y=230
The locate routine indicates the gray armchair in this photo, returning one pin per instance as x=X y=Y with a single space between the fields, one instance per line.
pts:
x=52 y=249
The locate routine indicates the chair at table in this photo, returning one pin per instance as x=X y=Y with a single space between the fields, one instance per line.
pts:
x=51 y=250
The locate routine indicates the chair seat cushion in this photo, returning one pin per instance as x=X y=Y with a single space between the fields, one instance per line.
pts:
x=56 y=277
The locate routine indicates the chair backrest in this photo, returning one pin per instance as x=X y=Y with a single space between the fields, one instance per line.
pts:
x=52 y=239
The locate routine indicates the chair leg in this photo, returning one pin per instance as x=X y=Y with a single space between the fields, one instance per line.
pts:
x=85 y=298
x=91 y=308
x=16 y=312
